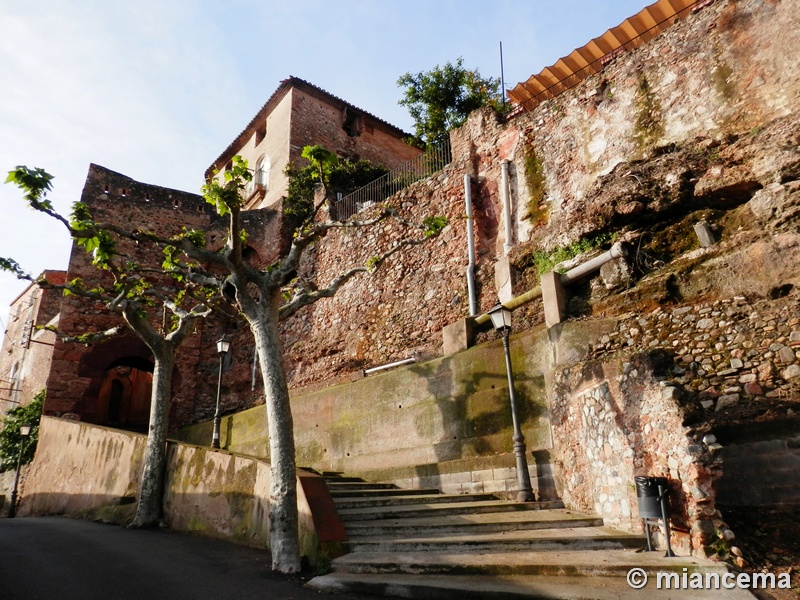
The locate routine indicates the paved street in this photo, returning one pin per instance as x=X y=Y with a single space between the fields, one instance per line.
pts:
x=52 y=558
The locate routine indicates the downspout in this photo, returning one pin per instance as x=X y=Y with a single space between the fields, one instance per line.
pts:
x=473 y=302
x=506 y=205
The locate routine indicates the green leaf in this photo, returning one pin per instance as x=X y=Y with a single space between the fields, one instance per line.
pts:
x=432 y=226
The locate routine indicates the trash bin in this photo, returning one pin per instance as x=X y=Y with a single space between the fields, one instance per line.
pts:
x=647 y=497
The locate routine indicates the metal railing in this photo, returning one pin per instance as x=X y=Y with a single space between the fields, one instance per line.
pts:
x=425 y=165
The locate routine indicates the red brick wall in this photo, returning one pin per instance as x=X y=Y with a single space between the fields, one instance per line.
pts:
x=77 y=370
x=315 y=121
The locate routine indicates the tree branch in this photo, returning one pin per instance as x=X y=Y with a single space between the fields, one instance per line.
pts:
x=305 y=297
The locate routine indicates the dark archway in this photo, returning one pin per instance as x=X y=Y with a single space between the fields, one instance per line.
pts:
x=124 y=398
x=119 y=374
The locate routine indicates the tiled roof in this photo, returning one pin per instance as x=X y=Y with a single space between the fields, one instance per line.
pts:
x=272 y=102
x=591 y=58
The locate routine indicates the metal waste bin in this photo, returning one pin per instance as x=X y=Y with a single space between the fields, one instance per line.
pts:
x=652 y=498
x=648 y=498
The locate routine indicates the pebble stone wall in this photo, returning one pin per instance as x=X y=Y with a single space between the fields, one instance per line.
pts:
x=732 y=354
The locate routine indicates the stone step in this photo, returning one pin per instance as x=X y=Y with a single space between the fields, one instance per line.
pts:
x=437 y=509
x=342 y=503
x=341 y=479
x=473 y=523
x=518 y=540
x=566 y=562
x=372 y=492
x=340 y=486
x=466 y=587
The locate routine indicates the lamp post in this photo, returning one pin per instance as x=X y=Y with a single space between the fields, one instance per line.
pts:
x=24 y=432
x=501 y=319
x=223 y=345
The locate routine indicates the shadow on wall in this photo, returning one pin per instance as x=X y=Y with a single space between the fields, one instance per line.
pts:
x=472 y=398
x=213 y=493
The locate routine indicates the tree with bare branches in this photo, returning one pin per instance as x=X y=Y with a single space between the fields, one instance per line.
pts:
x=262 y=296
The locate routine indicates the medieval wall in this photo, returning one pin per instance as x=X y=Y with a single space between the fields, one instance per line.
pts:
x=78 y=371
x=701 y=118
x=27 y=351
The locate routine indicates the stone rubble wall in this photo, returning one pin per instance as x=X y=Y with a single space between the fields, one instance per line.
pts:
x=613 y=422
x=729 y=357
x=683 y=123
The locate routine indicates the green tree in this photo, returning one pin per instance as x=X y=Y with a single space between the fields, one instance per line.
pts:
x=10 y=439
x=440 y=99
x=262 y=296
x=134 y=294
x=326 y=169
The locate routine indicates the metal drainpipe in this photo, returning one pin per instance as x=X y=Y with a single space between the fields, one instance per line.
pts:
x=506 y=205
x=617 y=250
x=473 y=302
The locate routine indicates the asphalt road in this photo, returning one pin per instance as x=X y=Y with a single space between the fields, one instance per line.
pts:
x=53 y=558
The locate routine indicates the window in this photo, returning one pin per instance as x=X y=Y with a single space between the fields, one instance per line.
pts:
x=261 y=176
x=261 y=133
x=352 y=122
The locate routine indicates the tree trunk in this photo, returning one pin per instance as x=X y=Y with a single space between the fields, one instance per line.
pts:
x=150 y=509
x=283 y=521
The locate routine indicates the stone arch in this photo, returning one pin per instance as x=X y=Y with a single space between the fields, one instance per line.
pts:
x=119 y=373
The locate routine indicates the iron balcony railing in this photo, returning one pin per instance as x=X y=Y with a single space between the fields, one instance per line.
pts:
x=425 y=165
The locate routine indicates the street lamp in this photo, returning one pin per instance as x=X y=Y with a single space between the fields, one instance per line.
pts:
x=501 y=319
x=223 y=345
x=24 y=432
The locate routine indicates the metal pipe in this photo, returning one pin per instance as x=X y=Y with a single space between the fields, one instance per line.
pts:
x=514 y=303
x=617 y=250
x=506 y=205
x=473 y=301
x=399 y=363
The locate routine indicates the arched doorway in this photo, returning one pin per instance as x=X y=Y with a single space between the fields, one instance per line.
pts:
x=124 y=397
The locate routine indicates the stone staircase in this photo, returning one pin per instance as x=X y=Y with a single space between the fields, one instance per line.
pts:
x=420 y=543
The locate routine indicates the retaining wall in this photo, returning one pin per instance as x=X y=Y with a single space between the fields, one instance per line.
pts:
x=81 y=468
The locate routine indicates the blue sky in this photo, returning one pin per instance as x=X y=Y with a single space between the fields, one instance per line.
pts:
x=156 y=90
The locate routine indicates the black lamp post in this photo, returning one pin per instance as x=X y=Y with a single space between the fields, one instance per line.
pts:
x=223 y=345
x=501 y=319
x=24 y=432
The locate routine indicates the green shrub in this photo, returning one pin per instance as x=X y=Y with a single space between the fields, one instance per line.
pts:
x=10 y=438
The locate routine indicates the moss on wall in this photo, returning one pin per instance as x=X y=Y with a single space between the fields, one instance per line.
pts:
x=649 y=124
x=538 y=212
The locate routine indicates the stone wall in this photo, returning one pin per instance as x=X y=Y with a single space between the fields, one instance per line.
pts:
x=27 y=351
x=318 y=118
x=715 y=74
x=618 y=420
x=721 y=125
x=399 y=310
x=734 y=359
x=78 y=371
x=90 y=470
